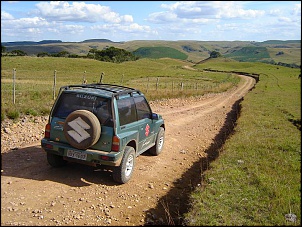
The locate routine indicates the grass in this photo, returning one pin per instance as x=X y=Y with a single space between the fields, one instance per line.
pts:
x=160 y=52
x=157 y=78
x=256 y=180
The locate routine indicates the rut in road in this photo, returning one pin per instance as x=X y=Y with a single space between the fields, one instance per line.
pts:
x=209 y=122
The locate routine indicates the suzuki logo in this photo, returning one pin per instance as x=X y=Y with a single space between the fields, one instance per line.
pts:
x=79 y=126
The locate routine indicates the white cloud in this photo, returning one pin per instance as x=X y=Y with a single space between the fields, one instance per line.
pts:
x=297 y=10
x=205 y=11
x=24 y=23
x=131 y=28
x=80 y=11
x=6 y=16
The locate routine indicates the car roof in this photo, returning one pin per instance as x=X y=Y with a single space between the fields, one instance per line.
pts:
x=105 y=90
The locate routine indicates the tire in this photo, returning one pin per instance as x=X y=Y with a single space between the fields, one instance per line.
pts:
x=122 y=174
x=55 y=160
x=82 y=129
x=159 y=143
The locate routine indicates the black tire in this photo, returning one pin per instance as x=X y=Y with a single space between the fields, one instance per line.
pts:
x=123 y=173
x=159 y=143
x=87 y=124
x=55 y=160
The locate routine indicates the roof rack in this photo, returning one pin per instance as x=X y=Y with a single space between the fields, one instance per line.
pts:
x=115 y=89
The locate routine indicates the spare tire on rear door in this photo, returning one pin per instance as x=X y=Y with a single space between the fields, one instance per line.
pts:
x=82 y=129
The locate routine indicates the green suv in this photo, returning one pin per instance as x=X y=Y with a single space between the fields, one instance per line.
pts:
x=102 y=124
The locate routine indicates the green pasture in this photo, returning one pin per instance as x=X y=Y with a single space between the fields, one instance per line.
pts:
x=37 y=80
x=256 y=178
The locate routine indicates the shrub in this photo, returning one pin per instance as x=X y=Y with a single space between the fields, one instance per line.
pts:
x=14 y=114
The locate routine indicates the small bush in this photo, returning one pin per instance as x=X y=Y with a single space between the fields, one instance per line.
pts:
x=31 y=112
x=13 y=114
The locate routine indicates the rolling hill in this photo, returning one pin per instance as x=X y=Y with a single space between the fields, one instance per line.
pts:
x=288 y=52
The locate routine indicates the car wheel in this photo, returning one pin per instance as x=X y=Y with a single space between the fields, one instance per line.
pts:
x=159 y=143
x=123 y=173
x=55 y=160
x=82 y=129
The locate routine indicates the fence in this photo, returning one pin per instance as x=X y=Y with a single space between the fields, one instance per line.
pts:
x=34 y=92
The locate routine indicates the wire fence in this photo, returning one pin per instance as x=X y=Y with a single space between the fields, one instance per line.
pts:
x=34 y=92
x=19 y=83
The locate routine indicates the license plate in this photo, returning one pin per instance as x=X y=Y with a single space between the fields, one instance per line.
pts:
x=76 y=155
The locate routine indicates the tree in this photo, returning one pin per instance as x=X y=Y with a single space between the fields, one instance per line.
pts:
x=3 y=49
x=111 y=54
x=19 y=53
x=215 y=54
x=42 y=54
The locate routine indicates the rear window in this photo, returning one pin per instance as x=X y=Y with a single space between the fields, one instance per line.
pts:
x=69 y=102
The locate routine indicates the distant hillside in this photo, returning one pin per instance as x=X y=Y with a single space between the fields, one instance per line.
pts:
x=250 y=54
x=27 y=43
x=288 y=51
x=159 y=52
x=97 y=41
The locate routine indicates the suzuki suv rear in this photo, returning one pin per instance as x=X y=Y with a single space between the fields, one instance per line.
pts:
x=102 y=124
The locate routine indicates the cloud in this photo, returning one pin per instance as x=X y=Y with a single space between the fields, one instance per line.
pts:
x=24 y=23
x=297 y=10
x=203 y=11
x=131 y=28
x=80 y=12
x=6 y=16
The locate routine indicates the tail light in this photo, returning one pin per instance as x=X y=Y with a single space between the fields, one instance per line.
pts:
x=115 y=144
x=47 y=131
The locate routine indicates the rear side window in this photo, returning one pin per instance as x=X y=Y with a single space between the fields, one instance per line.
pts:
x=142 y=108
x=126 y=110
x=69 y=102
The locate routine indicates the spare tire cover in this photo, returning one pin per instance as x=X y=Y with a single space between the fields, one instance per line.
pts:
x=82 y=129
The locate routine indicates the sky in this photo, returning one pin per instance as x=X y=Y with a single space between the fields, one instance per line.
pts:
x=76 y=21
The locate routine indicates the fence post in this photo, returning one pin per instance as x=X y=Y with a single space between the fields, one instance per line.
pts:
x=172 y=86
x=54 y=84
x=14 y=85
x=101 y=78
x=122 y=79
x=157 y=83
x=147 y=84
x=84 y=78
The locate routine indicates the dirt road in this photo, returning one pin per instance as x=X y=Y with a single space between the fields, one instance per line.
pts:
x=33 y=193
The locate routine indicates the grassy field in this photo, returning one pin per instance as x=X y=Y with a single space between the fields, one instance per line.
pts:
x=256 y=178
x=157 y=78
x=160 y=52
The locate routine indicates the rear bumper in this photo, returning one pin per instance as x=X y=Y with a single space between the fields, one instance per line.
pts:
x=88 y=156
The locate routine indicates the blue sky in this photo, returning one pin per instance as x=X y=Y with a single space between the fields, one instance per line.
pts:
x=76 y=21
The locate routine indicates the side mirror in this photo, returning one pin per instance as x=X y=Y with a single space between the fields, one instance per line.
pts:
x=154 y=116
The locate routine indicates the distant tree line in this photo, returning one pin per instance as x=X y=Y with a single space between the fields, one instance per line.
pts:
x=109 y=54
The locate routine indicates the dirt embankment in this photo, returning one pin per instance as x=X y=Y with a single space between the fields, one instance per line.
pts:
x=33 y=193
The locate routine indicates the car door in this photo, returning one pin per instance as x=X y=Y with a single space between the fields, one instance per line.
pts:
x=145 y=124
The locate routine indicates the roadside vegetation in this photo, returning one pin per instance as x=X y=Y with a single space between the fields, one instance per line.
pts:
x=255 y=177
